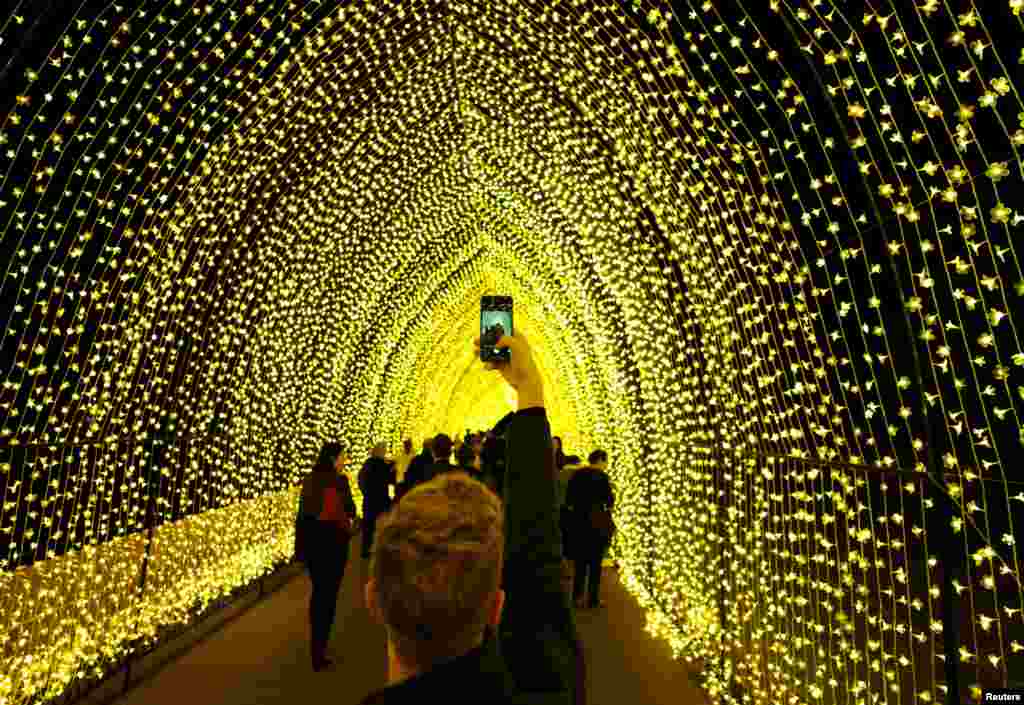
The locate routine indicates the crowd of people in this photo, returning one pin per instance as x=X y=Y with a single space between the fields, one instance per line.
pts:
x=466 y=557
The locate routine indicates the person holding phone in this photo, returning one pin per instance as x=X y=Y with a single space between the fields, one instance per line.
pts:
x=468 y=588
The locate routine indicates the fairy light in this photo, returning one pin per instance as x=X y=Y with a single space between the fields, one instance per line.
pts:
x=269 y=224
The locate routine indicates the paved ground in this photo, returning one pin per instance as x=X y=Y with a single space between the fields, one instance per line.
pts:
x=262 y=657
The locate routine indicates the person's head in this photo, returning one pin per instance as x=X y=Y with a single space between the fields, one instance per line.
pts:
x=441 y=447
x=557 y=442
x=598 y=459
x=466 y=455
x=435 y=573
x=407 y=446
x=331 y=457
x=379 y=450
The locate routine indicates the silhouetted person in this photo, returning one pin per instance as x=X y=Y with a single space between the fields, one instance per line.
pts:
x=589 y=490
x=374 y=478
x=455 y=572
x=566 y=467
x=416 y=473
x=441 y=448
x=323 y=528
x=465 y=460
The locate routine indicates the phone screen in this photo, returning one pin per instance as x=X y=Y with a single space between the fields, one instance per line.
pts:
x=495 y=321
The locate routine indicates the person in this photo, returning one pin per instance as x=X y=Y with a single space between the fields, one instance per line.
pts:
x=441 y=448
x=465 y=460
x=403 y=461
x=565 y=471
x=468 y=590
x=416 y=472
x=588 y=490
x=322 y=532
x=374 y=478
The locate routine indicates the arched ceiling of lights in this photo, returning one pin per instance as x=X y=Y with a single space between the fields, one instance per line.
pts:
x=792 y=231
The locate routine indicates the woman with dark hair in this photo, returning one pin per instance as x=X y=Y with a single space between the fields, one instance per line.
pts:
x=322 y=532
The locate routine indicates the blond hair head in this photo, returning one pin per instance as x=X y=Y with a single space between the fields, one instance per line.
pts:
x=437 y=564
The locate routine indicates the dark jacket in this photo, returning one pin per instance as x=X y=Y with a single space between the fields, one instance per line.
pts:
x=436 y=468
x=323 y=495
x=374 y=478
x=588 y=488
x=414 y=474
x=536 y=656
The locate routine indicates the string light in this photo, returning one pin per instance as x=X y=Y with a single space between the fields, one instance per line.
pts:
x=769 y=264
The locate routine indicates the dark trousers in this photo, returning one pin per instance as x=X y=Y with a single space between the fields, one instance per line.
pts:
x=587 y=569
x=326 y=566
x=369 y=525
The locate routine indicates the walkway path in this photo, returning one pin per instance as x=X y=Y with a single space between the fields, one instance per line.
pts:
x=262 y=657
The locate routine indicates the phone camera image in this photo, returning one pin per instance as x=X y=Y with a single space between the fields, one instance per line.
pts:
x=495 y=322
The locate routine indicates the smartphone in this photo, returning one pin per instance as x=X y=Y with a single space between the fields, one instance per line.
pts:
x=495 y=321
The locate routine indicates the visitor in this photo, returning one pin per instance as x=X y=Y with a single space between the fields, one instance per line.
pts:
x=323 y=528
x=454 y=572
x=375 y=477
x=589 y=500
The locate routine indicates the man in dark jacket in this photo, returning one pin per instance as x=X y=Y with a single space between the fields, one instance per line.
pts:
x=417 y=470
x=375 y=477
x=589 y=489
x=441 y=447
x=465 y=460
x=473 y=607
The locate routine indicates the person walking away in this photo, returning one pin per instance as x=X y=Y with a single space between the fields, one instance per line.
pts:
x=441 y=447
x=465 y=461
x=416 y=472
x=590 y=499
x=374 y=478
x=569 y=466
x=467 y=586
x=323 y=529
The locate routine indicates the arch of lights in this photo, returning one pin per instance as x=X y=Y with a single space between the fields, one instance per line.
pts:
x=770 y=263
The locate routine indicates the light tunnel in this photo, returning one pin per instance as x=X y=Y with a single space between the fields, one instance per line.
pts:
x=769 y=258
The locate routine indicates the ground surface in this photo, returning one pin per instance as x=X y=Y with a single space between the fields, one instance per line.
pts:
x=262 y=657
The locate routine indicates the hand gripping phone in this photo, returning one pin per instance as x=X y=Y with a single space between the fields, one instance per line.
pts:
x=495 y=321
